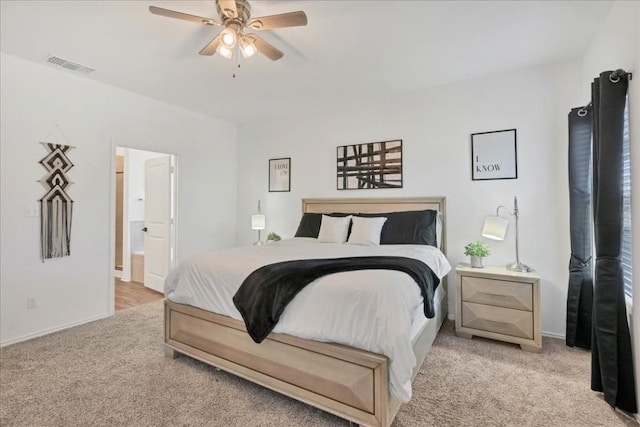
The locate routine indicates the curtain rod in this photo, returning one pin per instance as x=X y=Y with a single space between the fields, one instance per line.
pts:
x=613 y=78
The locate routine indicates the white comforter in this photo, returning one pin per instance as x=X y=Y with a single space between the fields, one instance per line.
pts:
x=369 y=309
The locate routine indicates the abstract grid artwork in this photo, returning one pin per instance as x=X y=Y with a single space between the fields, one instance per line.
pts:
x=371 y=165
x=56 y=206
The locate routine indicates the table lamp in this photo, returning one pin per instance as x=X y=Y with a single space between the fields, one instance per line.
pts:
x=258 y=222
x=495 y=228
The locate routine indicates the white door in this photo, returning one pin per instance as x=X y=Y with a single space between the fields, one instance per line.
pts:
x=157 y=213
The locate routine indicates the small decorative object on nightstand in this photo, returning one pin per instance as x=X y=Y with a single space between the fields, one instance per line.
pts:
x=499 y=304
x=273 y=237
x=477 y=251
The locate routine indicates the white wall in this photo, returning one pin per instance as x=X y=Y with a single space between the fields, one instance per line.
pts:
x=95 y=118
x=435 y=126
x=617 y=45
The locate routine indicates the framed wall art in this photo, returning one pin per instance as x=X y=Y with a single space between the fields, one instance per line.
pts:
x=493 y=155
x=370 y=165
x=280 y=174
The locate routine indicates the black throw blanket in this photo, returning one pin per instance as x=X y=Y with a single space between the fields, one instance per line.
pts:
x=265 y=293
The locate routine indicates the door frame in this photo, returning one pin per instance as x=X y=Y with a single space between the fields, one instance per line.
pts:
x=173 y=235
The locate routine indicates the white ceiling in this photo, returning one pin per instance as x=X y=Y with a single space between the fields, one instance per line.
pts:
x=351 y=52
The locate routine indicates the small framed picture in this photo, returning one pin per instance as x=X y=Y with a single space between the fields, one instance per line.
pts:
x=280 y=174
x=493 y=155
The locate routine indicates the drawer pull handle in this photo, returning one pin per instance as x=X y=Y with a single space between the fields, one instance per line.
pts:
x=496 y=295
x=497 y=322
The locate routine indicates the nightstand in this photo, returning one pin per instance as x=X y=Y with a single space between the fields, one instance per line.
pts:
x=500 y=304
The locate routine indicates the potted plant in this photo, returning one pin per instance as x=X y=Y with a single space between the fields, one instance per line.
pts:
x=477 y=251
x=272 y=237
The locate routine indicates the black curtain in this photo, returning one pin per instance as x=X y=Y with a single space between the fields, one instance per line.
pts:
x=580 y=292
x=611 y=358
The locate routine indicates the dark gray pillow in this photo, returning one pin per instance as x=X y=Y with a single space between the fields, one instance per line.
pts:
x=408 y=227
x=310 y=224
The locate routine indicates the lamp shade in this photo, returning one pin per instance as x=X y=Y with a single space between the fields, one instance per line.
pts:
x=228 y=38
x=495 y=228
x=258 y=222
x=224 y=51
x=247 y=47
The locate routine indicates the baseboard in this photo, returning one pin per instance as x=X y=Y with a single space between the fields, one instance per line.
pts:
x=117 y=273
x=52 y=330
x=553 y=335
x=627 y=415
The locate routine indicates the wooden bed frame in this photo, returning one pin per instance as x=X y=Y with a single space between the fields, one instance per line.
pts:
x=345 y=381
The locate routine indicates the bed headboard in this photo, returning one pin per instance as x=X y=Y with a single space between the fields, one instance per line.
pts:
x=379 y=205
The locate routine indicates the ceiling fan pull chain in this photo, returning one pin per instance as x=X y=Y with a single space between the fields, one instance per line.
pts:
x=236 y=55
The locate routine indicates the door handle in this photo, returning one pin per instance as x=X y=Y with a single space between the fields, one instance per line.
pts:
x=144 y=229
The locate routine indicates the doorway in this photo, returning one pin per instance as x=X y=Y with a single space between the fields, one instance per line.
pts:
x=144 y=249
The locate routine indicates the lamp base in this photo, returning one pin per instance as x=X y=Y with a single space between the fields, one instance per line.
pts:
x=518 y=266
x=259 y=242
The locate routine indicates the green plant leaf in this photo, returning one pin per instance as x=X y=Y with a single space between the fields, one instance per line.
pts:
x=477 y=249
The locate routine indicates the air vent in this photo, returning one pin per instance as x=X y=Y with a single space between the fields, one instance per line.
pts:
x=69 y=65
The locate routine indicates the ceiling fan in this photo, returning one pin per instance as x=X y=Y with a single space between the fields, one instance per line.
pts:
x=236 y=18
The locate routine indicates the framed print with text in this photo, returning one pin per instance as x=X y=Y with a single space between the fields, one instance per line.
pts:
x=280 y=174
x=493 y=155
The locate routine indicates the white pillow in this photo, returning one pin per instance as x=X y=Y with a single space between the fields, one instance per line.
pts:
x=334 y=229
x=439 y=230
x=366 y=231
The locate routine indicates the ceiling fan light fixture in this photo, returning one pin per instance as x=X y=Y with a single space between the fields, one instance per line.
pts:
x=247 y=47
x=235 y=18
x=224 y=51
x=228 y=38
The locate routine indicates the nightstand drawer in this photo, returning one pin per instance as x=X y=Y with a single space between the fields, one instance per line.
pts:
x=516 y=323
x=499 y=293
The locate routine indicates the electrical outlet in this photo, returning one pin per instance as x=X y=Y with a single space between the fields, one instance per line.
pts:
x=31 y=211
x=31 y=303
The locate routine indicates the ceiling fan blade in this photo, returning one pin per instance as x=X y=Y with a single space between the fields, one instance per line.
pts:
x=210 y=48
x=265 y=48
x=228 y=8
x=184 y=16
x=291 y=19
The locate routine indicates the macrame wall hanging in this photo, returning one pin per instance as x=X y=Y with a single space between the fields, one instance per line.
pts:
x=56 y=207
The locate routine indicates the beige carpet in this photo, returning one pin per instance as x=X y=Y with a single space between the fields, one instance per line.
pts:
x=113 y=372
